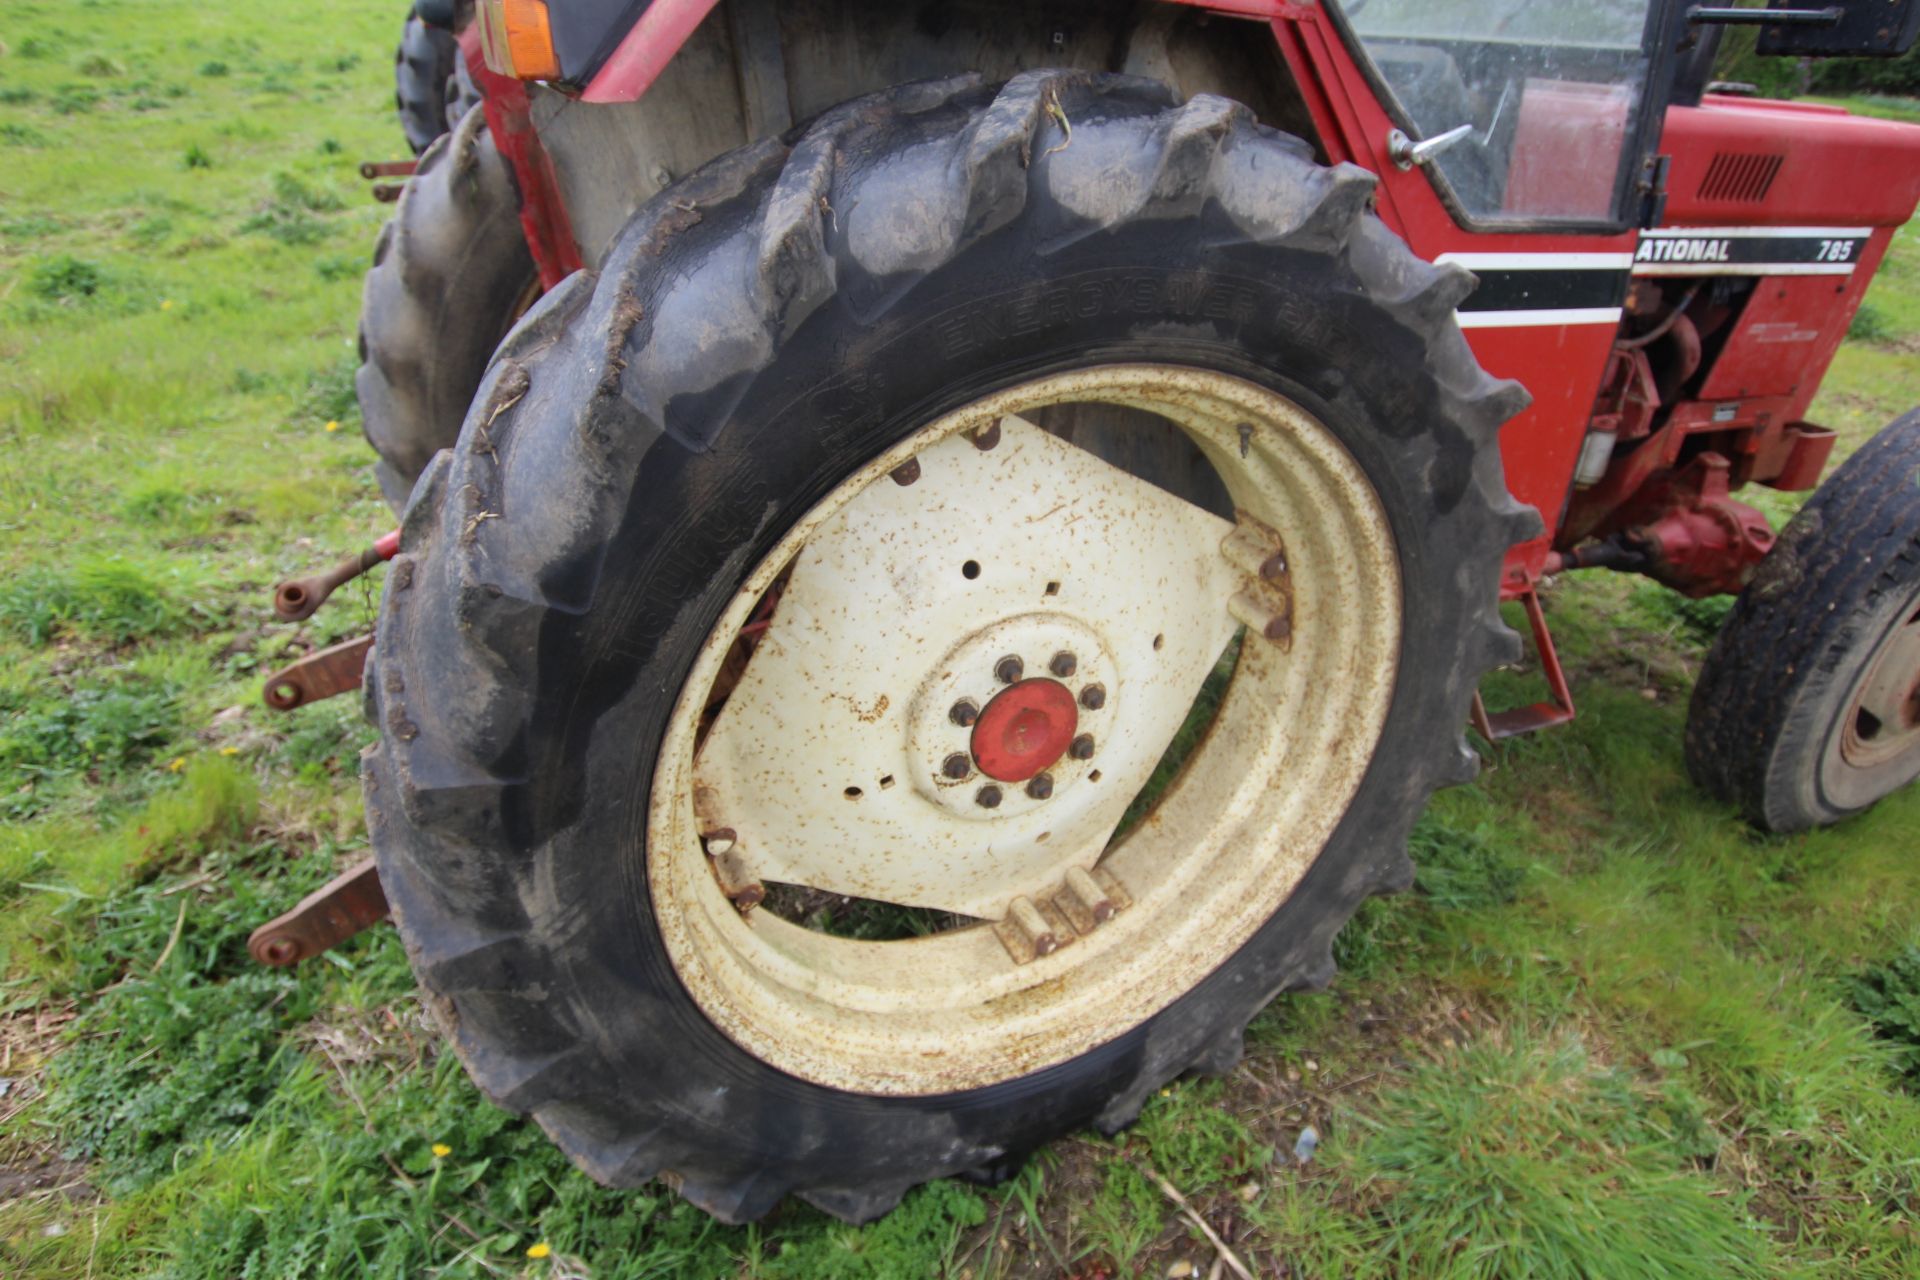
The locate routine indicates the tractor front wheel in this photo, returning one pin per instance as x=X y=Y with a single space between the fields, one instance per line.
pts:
x=1808 y=707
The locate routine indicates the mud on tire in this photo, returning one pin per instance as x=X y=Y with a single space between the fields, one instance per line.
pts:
x=758 y=332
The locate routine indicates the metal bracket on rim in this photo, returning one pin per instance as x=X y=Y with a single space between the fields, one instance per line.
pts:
x=1083 y=902
x=1265 y=605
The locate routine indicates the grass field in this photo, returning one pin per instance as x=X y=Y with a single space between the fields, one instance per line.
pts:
x=1613 y=1033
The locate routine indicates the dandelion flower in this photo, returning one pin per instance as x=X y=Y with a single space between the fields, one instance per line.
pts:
x=166 y=304
x=229 y=751
x=441 y=1150
x=540 y=1250
x=176 y=764
x=333 y=426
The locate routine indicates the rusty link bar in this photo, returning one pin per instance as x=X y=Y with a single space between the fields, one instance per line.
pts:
x=324 y=674
x=297 y=599
x=327 y=917
x=371 y=169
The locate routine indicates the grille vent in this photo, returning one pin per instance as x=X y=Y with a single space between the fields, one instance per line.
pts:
x=1740 y=176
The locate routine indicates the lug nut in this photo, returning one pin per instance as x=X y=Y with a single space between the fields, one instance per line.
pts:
x=1093 y=697
x=987 y=797
x=1064 y=664
x=964 y=713
x=907 y=472
x=1009 y=668
x=956 y=766
x=1041 y=786
x=1082 y=748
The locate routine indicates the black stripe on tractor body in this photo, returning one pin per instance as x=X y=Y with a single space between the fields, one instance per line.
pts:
x=1551 y=287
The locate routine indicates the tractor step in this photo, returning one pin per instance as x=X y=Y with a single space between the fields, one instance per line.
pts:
x=1557 y=709
x=346 y=905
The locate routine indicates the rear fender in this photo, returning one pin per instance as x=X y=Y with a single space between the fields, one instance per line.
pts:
x=642 y=54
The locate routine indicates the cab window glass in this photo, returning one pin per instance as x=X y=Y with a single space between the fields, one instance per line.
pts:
x=1550 y=92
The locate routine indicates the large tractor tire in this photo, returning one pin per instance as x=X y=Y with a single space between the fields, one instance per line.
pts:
x=753 y=585
x=451 y=273
x=1808 y=706
x=426 y=82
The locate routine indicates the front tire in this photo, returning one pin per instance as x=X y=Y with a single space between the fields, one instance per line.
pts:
x=1808 y=706
x=782 y=340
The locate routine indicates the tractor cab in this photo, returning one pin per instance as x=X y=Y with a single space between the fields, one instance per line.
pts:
x=1523 y=112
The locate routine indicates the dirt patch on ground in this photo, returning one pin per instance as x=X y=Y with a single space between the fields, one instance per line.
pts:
x=1285 y=1085
x=31 y=1168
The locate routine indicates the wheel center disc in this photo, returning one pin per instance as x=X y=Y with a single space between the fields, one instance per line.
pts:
x=1024 y=729
x=842 y=760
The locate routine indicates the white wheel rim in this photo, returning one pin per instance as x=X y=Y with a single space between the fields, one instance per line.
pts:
x=891 y=636
x=1878 y=743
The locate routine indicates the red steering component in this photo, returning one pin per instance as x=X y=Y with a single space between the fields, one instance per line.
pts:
x=1024 y=729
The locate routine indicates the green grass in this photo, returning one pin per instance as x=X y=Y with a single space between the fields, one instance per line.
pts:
x=1611 y=1032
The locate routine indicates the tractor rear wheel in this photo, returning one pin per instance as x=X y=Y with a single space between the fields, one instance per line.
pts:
x=765 y=676
x=1808 y=706
x=451 y=273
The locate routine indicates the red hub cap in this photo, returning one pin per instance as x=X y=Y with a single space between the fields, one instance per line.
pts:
x=1024 y=729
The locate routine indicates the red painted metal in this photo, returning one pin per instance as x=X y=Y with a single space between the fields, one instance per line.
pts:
x=1557 y=708
x=1026 y=727
x=543 y=214
x=1703 y=542
x=1272 y=10
x=1777 y=337
x=1836 y=169
x=1807 y=449
x=1682 y=441
x=647 y=49
x=1542 y=443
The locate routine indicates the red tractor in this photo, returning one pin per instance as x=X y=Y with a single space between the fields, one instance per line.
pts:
x=945 y=545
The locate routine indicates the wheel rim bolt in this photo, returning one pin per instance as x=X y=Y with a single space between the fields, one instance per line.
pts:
x=964 y=713
x=1064 y=664
x=987 y=797
x=1082 y=748
x=1041 y=786
x=1009 y=668
x=1093 y=697
x=957 y=765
